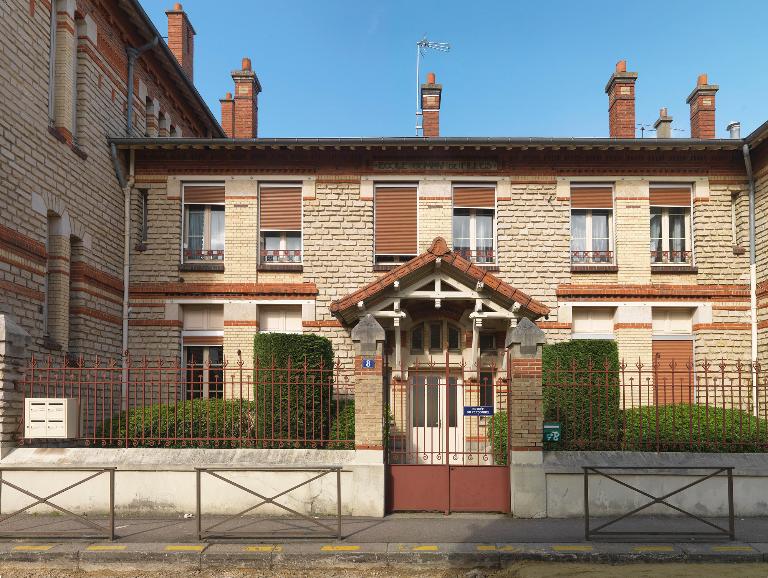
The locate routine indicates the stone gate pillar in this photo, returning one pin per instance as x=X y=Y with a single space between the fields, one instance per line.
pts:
x=526 y=458
x=368 y=337
x=14 y=341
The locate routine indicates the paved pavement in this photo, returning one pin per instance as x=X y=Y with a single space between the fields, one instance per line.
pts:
x=456 y=541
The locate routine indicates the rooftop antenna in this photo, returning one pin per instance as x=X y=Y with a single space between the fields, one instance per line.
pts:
x=421 y=48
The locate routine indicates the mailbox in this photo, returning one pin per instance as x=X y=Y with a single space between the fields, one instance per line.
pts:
x=53 y=418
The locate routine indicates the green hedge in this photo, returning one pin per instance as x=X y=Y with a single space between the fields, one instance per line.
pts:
x=342 y=434
x=498 y=434
x=581 y=391
x=709 y=429
x=296 y=404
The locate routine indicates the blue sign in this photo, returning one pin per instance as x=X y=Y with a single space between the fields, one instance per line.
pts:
x=552 y=431
x=478 y=410
x=369 y=363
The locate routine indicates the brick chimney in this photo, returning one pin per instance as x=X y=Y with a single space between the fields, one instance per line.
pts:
x=228 y=115
x=663 y=124
x=702 y=101
x=247 y=89
x=430 y=106
x=181 y=38
x=621 y=102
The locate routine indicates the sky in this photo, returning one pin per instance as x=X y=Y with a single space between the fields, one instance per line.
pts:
x=345 y=68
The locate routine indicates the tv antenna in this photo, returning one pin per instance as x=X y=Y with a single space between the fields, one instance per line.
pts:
x=421 y=49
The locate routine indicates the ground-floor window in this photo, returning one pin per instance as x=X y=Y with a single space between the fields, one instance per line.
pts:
x=204 y=370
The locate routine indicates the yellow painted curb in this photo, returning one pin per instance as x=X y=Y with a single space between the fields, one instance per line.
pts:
x=425 y=548
x=572 y=548
x=339 y=548
x=263 y=548
x=733 y=549
x=482 y=548
x=653 y=549
x=105 y=548
x=34 y=548
x=184 y=548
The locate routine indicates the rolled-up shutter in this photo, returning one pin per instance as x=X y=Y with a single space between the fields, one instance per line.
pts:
x=672 y=385
x=280 y=208
x=670 y=196
x=203 y=194
x=395 y=217
x=474 y=197
x=591 y=198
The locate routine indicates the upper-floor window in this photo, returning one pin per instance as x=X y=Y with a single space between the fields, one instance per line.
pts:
x=591 y=224
x=435 y=336
x=474 y=209
x=203 y=222
x=395 y=223
x=671 y=225
x=280 y=223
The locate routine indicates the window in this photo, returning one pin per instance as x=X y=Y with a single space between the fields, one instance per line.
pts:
x=592 y=322
x=280 y=223
x=672 y=321
x=417 y=339
x=473 y=222
x=454 y=338
x=144 y=208
x=62 y=109
x=204 y=223
x=280 y=319
x=204 y=371
x=395 y=223
x=591 y=225
x=436 y=336
x=671 y=225
x=487 y=341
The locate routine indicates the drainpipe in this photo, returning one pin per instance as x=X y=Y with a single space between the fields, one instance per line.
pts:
x=133 y=55
x=752 y=273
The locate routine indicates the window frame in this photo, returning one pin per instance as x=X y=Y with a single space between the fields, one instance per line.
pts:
x=206 y=237
x=473 y=246
x=666 y=239
x=206 y=368
x=390 y=259
x=282 y=232
x=589 y=238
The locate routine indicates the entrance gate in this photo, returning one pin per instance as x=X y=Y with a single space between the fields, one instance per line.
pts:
x=441 y=456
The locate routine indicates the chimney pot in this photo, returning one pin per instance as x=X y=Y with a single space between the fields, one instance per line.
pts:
x=663 y=124
x=621 y=66
x=663 y=111
x=734 y=129
x=177 y=7
x=431 y=79
x=246 y=63
x=228 y=96
x=701 y=80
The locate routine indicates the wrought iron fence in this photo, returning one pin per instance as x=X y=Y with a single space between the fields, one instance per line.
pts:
x=702 y=406
x=149 y=402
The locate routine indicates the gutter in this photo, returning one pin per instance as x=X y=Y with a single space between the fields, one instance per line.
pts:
x=752 y=274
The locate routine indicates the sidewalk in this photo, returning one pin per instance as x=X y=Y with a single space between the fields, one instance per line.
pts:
x=456 y=541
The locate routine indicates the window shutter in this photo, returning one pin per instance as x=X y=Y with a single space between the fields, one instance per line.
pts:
x=280 y=208
x=204 y=194
x=395 y=217
x=670 y=197
x=591 y=198
x=474 y=197
x=672 y=387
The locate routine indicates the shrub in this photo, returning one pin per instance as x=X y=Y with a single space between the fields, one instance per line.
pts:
x=293 y=387
x=498 y=434
x=581 y=391
x=202 y=419
x=342 y=434
x=709 y=429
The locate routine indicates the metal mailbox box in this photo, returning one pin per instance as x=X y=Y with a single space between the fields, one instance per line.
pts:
x=47 y=417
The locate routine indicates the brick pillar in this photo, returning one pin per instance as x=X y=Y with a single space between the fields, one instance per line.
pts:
x=702 y=102
x=13 y=352
x=621 y=102
x=526 y=430
x=228 y=115
x=368 y=337
x=431 y=97
x=64 y=69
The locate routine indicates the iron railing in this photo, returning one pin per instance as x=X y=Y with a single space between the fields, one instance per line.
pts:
x=480 y=256
x=592 y=257
x=671 y=257
x=203 y=254
x=281 y=255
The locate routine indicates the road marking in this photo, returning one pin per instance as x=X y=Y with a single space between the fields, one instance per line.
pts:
x=509 y=549
x=103 y=548
x=653 y=549
x=34 y=548
x=184 y=548
x=485 y=548
x=333 y=548
x=733 y=549
x=425 y=548
x=262 y=548
x=572 y=548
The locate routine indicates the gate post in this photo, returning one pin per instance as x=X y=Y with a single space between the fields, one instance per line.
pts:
x=526 y=428
x=13 y=351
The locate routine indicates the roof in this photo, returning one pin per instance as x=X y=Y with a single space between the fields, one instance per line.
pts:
x=449 y=260
x=142 y=21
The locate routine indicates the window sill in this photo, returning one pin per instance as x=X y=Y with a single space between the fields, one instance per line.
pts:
x=662 y=269
x=385 y=267
x=595 y=268
x=282 y=267
x=490 y=267
x=63 y=136
x=50 y=343
x=209 y=267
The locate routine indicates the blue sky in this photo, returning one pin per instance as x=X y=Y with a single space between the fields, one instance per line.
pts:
x=516 y=68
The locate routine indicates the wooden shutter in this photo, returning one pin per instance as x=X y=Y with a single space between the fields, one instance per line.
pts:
x=280 y=208
x=204 y=194
x=673 y=386
x=474 y=197
x=670 y=197
x=591 y=198
x=395 y=217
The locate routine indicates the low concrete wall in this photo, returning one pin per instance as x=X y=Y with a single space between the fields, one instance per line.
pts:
x=565 y=483
x=162 y=481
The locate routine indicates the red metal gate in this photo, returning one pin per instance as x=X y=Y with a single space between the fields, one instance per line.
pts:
x=447 y=439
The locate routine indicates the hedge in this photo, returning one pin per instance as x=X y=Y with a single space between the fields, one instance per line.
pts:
x=296 y=404
x=343 y=428
x=692 y=427
x=498 y=434
x=581 y=391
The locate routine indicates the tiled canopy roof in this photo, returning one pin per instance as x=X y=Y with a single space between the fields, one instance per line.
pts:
x=439 y=249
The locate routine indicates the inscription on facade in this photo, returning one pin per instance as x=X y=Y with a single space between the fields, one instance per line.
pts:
x=439 y=165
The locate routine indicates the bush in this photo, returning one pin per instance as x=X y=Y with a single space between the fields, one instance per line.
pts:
x=342 y=434
x=498 y=434
x=199 y=418
x=710 y=429
x=293 y=406
x=581 y=391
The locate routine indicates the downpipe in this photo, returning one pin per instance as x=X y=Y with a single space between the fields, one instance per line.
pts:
x=133 y=55
x=752 y=275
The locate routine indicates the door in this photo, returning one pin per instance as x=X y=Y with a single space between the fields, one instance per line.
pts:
x=673 y=371
x=435 y=425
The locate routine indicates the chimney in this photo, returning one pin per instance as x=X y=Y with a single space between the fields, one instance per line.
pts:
x=663 y=125
x=430 y=106
x=702 y=101
x=228 y=115
x=247 y=89
x=621 y=102
x=734 y=129
x=181 y=38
